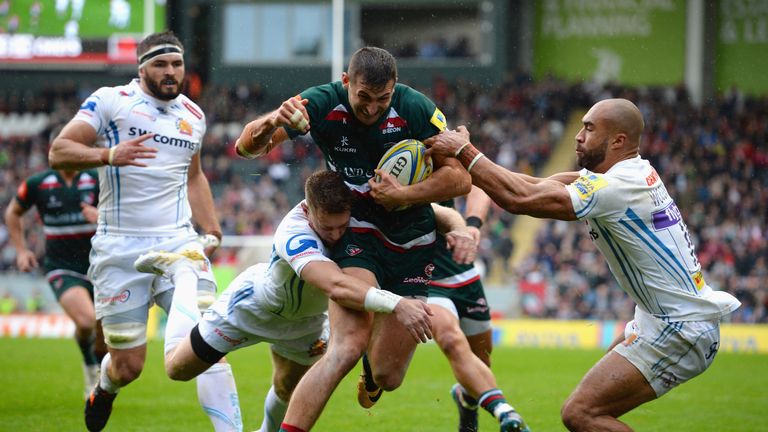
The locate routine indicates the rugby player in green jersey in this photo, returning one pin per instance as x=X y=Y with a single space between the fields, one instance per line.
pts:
x=65 y=201
x=353 y=122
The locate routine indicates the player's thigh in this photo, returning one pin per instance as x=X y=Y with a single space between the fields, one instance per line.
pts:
x=77 y=304
x=482 y=345
x=613 y=386
x=183 y=363
x=391 y=346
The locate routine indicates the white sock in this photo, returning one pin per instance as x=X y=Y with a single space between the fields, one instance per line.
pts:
x=183 y=313
x=274 y=412
x=105 y=383
x=217 y=394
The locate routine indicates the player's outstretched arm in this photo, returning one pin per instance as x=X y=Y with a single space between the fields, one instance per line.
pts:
x=544 y=198
x=73 y=149
x=355 y=294
x=25 y=258
x=260 y=136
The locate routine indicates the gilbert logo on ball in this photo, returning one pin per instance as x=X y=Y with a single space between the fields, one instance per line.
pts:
x=406 y=162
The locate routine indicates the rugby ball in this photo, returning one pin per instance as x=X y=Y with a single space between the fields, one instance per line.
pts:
x=406 y=162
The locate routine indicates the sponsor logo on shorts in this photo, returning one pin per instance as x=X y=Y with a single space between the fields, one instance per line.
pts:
x=120 y=298
x=353 y=250
x=481 y=306
x=318 y=348
x=417 y=280
x=630 y=339
x=227 y=339
x=668 y=379
x=429 y=269
x=58 y=282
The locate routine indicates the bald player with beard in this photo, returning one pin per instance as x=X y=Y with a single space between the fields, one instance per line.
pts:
x=635 y=223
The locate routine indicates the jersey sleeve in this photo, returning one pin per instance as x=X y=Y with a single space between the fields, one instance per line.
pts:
x=96 y=110
x=26 y=193
x=592 y=195
x=299 y=246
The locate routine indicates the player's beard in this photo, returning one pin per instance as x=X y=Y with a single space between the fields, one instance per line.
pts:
x=590 y=159
x=156 y=88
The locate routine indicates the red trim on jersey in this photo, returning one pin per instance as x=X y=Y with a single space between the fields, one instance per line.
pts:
x=396 y=121
x=387 y=243
x=70 y=236
x=455 y=285
x=50 y=185
x=337 y=115
x=22 y=191
x=192 y=109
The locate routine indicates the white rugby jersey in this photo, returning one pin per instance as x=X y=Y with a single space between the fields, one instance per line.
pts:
x=637 y=226
x=295 y=245
x=152 y=200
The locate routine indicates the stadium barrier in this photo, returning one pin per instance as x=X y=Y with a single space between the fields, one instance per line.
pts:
x=742 y=338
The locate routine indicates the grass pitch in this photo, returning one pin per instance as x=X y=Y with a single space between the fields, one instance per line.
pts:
x=41 y=384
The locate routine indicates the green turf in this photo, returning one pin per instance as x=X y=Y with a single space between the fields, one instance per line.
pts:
x=41 y=389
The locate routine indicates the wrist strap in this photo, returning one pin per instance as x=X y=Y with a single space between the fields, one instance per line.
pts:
x=474 y=221
x=243 y=152
x=379 y=300
x=474 y=161
x=456 y=154
x=111 y=157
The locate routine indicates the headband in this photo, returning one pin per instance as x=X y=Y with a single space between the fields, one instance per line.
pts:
x=157 y=51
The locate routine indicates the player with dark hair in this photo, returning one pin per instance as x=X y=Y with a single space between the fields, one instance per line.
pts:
x=635 y=223
x=285 y=302
x=146 y=137
x=354 y=122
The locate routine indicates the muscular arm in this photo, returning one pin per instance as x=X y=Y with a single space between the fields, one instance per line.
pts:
x=25 y=258
x=514 y=193
x=201 y=199
x=343 y=289
x=449 y=180
x=73 y=148
x=266 y=132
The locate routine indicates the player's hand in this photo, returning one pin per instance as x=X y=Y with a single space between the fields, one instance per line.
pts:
x=210 y=243
x=463 y=246
x=90 y=213
x=292 y=113
x=447 y=142
x=475 y=233
x=26 y=260
x=415 y=316
x=132 y=151
x=387 y=191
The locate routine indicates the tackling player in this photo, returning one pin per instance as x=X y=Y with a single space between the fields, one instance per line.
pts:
x=635 y=223
x=285 y=302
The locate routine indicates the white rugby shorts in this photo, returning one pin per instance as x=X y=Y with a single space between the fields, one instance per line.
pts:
x=669 y=353
x=118 y=287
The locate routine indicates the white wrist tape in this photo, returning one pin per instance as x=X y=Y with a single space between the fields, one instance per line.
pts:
x=378 y=300
x=243 y=152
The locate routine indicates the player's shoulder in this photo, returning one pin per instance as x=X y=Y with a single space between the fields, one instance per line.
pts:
x=325 y=94
x=190 y=106
x=46 y=175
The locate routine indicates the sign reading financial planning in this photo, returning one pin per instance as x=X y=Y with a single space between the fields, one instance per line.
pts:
x=742 y=48
x=626 y=41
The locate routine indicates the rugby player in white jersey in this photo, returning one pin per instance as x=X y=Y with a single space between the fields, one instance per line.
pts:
x=634 y=222
x=145 y=138
x=285 y=302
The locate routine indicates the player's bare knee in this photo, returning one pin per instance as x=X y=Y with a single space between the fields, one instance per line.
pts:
x=449 y=340
x=176 y=372
x=388 y=381
x=574 y=415
x=84 y=324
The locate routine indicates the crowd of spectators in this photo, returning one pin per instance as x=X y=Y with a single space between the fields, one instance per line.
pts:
x=713 y=160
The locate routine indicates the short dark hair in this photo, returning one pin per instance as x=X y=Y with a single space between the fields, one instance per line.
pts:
x=373 y=66
x=326 y=190
x=162 y=38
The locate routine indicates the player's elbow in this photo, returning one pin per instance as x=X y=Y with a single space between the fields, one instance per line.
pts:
x=54 y=159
